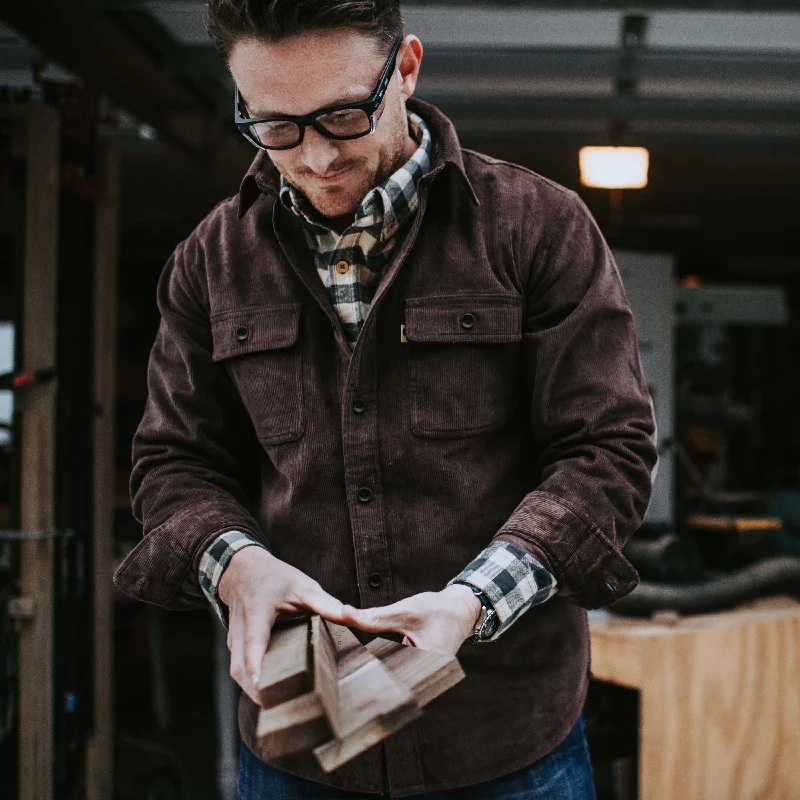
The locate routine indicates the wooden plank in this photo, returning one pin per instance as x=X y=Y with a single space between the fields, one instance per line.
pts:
x=372 y=700
x=285 y=670
x=326 y=679
x=733 y=524
x=292 y=727
x=426 y=673
x=367 y=690
x=36 y=445
x=99 y=752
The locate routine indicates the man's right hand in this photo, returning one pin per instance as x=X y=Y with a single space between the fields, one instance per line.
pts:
x=256 y=587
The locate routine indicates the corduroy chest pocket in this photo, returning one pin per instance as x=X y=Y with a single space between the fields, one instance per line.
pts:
x=261 y=350
x=463 y=362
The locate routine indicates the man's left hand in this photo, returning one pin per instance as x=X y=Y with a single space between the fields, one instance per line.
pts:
x=438 y=621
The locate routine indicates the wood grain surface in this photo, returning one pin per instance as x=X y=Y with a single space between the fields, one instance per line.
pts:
x=719 y=702
x=286 y=670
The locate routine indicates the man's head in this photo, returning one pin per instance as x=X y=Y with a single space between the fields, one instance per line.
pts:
x=294 y=57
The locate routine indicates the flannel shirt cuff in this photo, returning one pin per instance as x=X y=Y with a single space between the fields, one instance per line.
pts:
x=213 y=563
x=512 y=579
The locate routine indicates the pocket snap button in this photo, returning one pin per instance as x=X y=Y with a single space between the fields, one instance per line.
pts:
x=375 y=580
x=243 y=333
x=467 y=321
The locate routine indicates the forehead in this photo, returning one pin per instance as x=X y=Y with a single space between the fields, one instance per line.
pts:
x=303 y=73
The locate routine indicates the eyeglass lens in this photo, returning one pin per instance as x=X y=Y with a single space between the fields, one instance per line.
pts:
x=347 y=122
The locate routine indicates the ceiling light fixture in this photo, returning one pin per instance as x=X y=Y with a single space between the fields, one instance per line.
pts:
x=614 y=167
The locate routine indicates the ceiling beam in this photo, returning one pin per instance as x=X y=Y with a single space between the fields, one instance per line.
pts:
x=95 y=49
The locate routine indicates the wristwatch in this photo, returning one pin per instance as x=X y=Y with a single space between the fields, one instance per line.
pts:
x=488 y=621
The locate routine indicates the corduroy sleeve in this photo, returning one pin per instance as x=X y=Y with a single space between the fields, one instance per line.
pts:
x=194 y=454
x=590 y=413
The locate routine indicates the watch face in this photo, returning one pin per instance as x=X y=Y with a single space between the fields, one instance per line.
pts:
x=489 y=626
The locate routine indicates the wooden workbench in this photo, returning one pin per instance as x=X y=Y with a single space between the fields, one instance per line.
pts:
x=719 y=712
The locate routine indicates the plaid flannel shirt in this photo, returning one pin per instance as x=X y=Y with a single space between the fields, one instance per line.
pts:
x=350 y=265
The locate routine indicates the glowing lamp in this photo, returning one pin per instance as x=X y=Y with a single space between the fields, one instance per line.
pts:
x=614 y=167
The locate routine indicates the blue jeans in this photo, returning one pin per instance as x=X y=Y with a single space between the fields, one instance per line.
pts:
x=564 y=774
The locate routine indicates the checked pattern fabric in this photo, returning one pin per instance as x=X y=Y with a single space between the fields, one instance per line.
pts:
x=512 y=579
x=366 y=246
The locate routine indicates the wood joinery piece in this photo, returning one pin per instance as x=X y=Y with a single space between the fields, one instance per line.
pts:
x=373 y=703
x=379 y=689
x=292 y=727
x=286 y=669
x=426 y=674
x=326 y=674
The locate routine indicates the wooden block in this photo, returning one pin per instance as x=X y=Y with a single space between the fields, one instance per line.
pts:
x=292 y=727
x=301 y=724
x=326 y=677
x=367 y=690
x=373 y=701
x=426 y=673
x=285 y=670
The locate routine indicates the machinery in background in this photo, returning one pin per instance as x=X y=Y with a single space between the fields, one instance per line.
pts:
x=709 y=541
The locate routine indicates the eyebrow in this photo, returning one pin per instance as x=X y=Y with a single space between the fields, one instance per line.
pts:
x=350 y=97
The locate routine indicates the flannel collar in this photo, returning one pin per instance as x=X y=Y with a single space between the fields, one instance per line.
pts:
x=387 y=207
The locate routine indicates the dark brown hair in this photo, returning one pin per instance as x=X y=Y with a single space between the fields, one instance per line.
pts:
x=229 y=21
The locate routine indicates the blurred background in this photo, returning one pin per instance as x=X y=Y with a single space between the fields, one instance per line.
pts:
x=117 y=138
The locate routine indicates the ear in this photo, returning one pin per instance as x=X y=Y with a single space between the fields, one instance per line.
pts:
x=409 y=58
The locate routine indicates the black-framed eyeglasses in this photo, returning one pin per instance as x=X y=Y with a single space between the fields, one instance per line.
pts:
x=347 y=121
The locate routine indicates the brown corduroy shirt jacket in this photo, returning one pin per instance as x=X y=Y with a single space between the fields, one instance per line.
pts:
x=511 y=405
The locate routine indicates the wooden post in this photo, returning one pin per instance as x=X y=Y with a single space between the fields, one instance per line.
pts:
x=99 y=753
x=38 y=431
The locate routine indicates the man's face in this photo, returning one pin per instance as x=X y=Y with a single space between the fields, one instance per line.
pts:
x=305 y=73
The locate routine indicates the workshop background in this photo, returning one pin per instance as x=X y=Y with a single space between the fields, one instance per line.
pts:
x=116 y=138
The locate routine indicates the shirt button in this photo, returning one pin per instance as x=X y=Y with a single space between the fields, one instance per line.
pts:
x=467 y=321
x=359 y=406
x=375 y=580
x=243 y=333
x=364 y=495
x=342 y=267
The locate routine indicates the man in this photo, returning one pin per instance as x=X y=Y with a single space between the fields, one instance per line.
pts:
x=396 y=383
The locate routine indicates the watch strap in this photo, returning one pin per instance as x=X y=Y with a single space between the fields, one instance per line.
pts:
x=487 y=616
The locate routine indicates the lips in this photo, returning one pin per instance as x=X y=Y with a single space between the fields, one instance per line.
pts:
x=331 y=177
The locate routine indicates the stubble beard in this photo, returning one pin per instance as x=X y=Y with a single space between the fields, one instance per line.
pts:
x=344 y=201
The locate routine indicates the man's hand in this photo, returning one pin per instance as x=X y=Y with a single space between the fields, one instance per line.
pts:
x=431 y=621
x=256 y=587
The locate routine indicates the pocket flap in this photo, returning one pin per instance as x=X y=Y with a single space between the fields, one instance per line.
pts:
x=464 y=318
x=249 y=330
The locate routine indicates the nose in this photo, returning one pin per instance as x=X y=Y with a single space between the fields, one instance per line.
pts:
x=317 y=151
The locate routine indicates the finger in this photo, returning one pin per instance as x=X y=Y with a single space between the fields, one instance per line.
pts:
x=322 y=603
x=396 y=617
x=255 y=643
x=236 y=645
